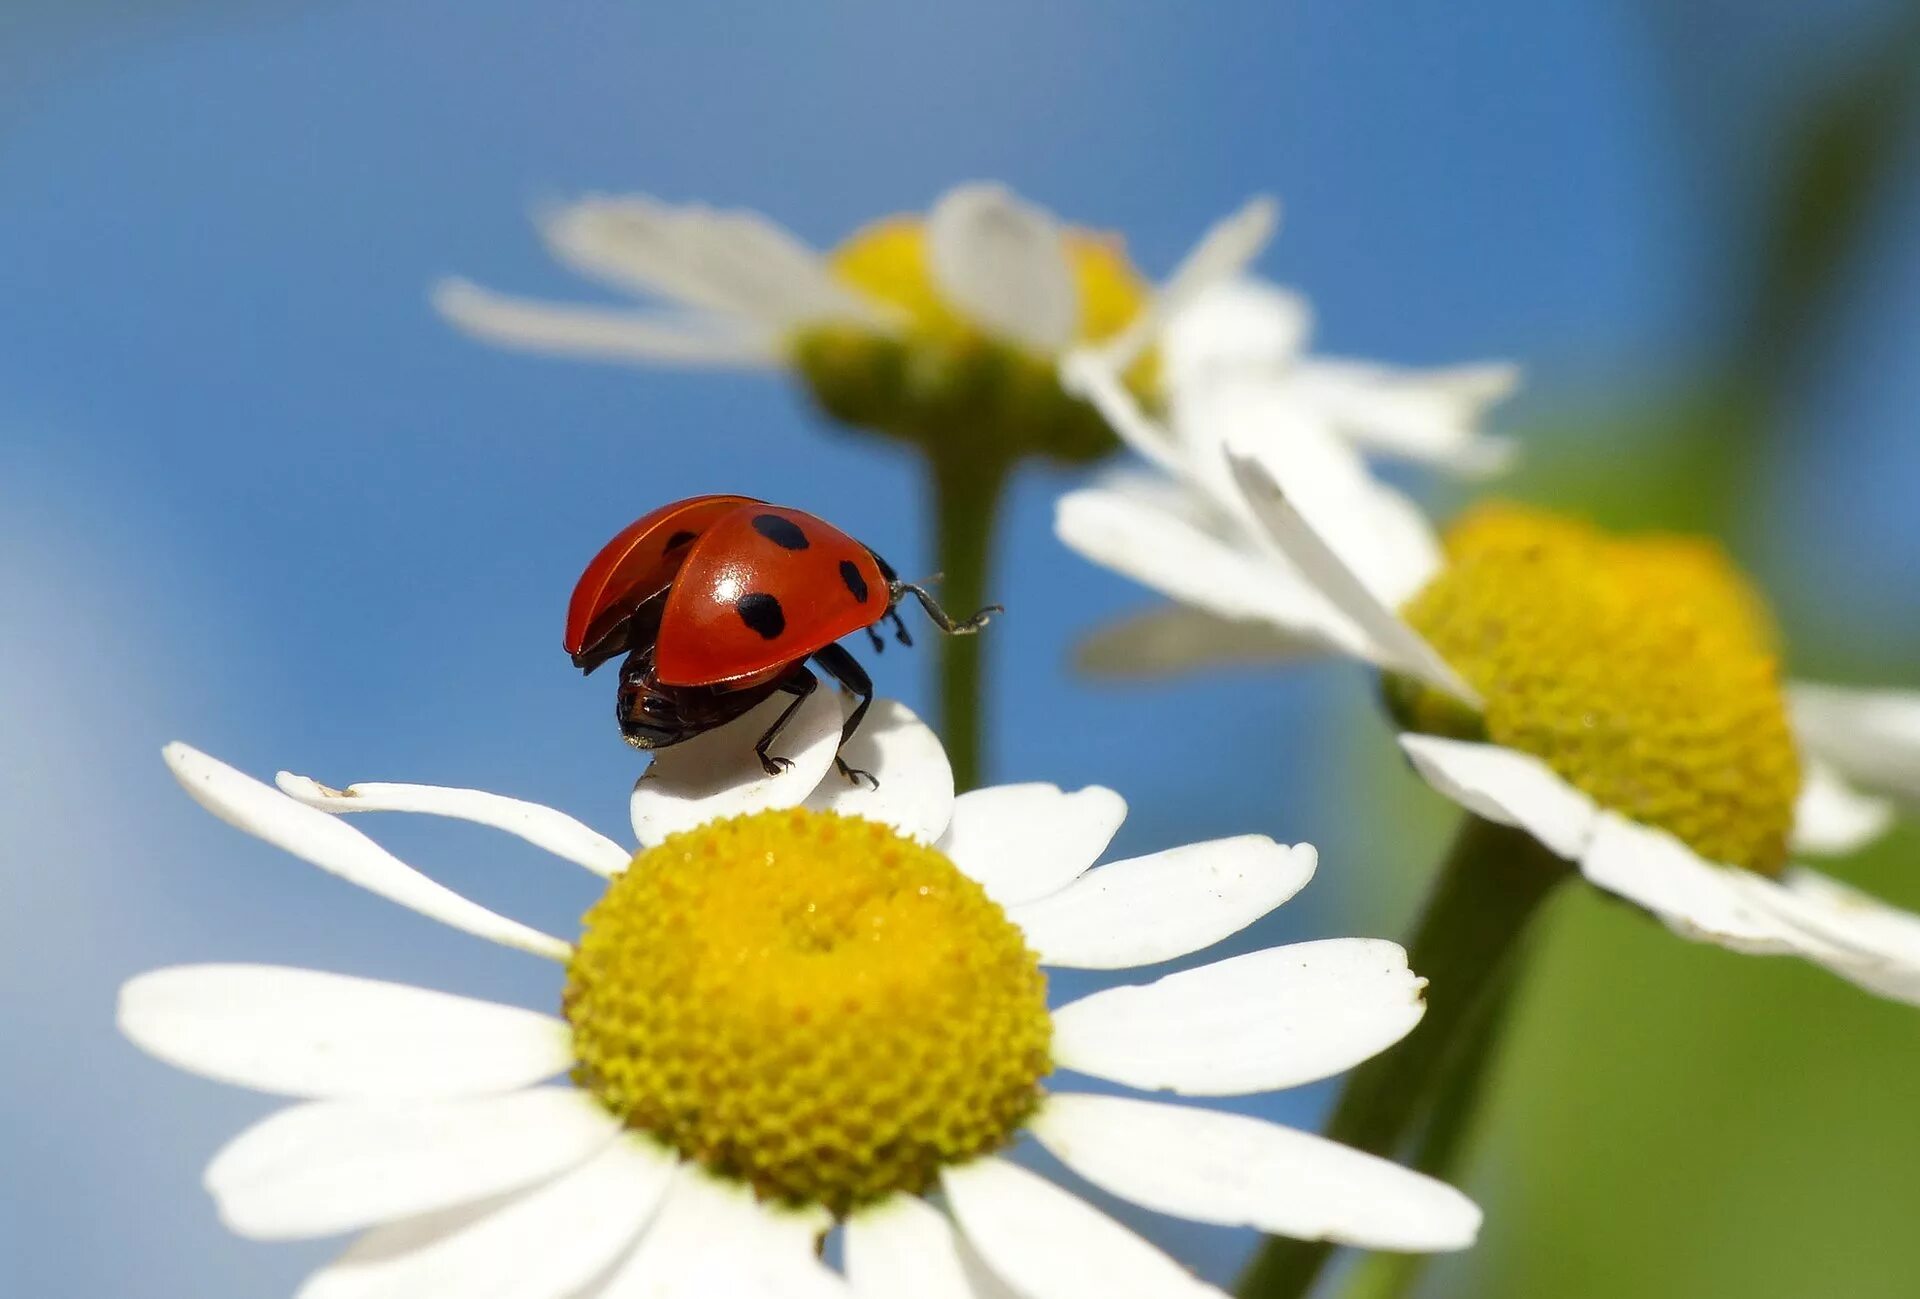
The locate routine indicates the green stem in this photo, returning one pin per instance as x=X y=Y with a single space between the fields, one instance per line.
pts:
x=1492 y=883
x=1444 y=1138
x=966 y=494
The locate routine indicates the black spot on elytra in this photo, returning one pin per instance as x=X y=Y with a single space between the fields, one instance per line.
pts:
x=850 y=574
x=781 y=532
x=763 y=613
x=677 y=540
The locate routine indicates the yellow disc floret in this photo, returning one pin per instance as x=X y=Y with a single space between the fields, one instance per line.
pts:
x=810 y=1003
x=1641 y=669
x=942 y=377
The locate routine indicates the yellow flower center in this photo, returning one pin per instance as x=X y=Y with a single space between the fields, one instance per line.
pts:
x=1641 y=669
x=944 y=378
x=810 y=1003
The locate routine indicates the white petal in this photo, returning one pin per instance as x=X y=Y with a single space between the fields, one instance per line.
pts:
x=335 y=1166
x=712 y=1241
x=1872 y=736
x=1003 y=263
x=1226 y=249
x=545 y=1244
x=1131 y=535
x=337 y=847
x=1831 y=817
x=901 y=752
x=904 y=1248
x=306 y=1033
x=1048 y=1244
x=1149 y=909
x=1023 y=842
x=1269 y=1019
x=1088 y=374
x=1696 y=898
x=729 y=262
x=604 y=334
x=718 y=774
x=1395 y=643
x=1378 y=533
x=1881 y=943
x=1236 y=1171
x=543 y=827
x=1507 y=787
x=1426 y=415
x=1240 y=327
x=1174 y=639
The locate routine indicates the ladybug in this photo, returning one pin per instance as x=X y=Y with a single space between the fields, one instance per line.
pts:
x=719 y=602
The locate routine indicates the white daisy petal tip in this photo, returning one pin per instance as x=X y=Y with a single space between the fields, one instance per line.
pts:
x=718 y=774
x=1263 y=1021
x=1235 y=1170
x=1022 y=842
x=1831 y=818
x=1150 y=909
x=905 y=780
x=325 y=841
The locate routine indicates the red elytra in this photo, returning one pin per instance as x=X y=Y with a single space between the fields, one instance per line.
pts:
x=719 y=602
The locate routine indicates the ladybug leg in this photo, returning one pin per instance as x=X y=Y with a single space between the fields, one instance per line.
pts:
x=874 y=637
x=899 y=626
x=799 y=683
x=941 y=618
x=845 y=669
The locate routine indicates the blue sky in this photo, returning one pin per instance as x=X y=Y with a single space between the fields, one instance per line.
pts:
x=257 y=497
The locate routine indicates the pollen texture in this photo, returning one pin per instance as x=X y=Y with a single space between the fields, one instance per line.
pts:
x=942 y=377
x=810 y=1003
x=1641 y=669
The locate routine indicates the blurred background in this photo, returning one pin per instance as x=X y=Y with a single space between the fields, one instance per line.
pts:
x=254 y=495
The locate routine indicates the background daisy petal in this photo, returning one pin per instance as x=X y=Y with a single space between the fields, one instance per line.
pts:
x=602 y=333
x=1022 y=842
x=338 y=848
x=1507 y=787
x=905 y=1247
x=546 y=1244
x=1394 y=643
x=1269 y=1019
x=1871 y=735
x=333 y=1166
x=307 y=1033
x=1694 y=897
x=1132 y=536
x=1225 y=250
x=543 y=827
x=718 y=774
x=1431 y=416
x=1046 y=1243
x=1171 y=640
x=1831 y=817
x=1154 y=908
x=1237 y=1171
x=915 y=790
x=1004 y=264
x=712 y=1240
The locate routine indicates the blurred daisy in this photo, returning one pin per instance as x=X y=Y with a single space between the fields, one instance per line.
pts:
x=802 y=1003
x=1616 y=697
x=1233 y=369
x=931 y=329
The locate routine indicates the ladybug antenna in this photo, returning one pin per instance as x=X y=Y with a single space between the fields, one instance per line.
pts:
x=941 y=618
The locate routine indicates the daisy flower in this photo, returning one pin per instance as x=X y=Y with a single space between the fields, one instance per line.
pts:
x=1617 y=698
x=928 y=328
x=800 y=1005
